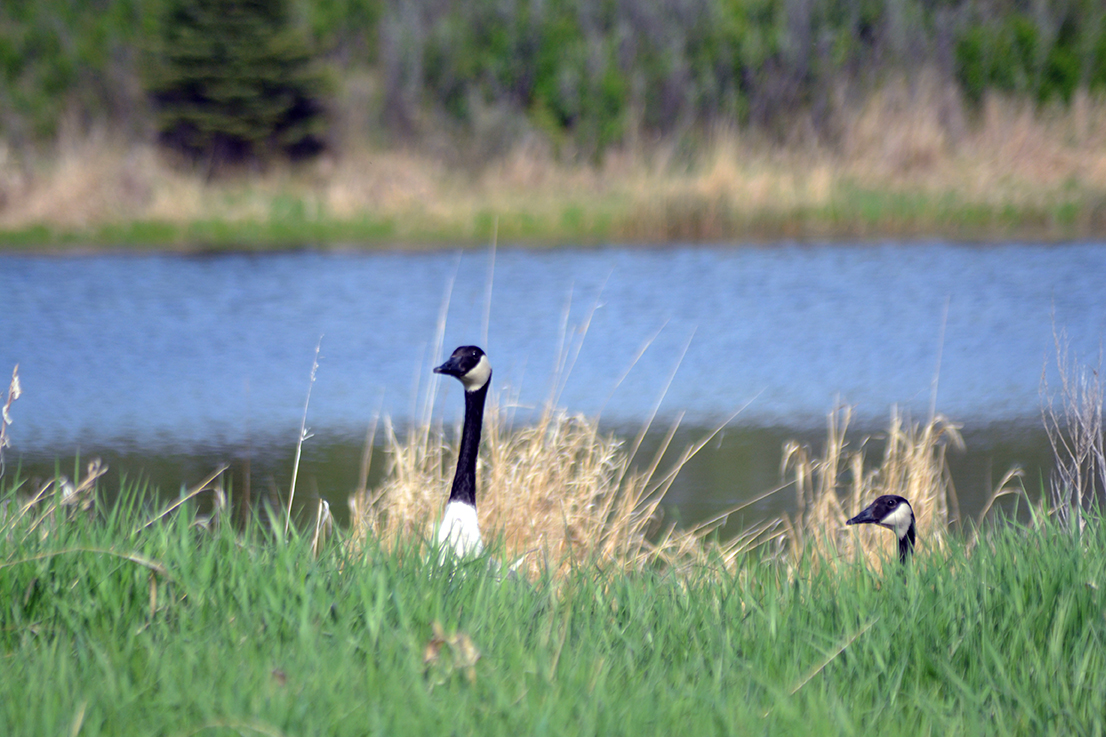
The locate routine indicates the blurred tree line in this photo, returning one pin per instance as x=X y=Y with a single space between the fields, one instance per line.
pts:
x=241 y=79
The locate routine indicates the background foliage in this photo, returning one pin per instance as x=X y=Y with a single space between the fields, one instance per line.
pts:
x=234 y=81
x=588 y=74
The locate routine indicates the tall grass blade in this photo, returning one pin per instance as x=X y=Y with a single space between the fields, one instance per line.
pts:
x=304 y=435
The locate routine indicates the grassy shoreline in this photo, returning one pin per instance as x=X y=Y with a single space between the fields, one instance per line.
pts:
x=906 y=165
x=115 y=626
x=870 y=217
x=126 y=614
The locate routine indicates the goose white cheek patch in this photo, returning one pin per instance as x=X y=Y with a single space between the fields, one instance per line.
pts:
x=899 y=519
x=478 y=375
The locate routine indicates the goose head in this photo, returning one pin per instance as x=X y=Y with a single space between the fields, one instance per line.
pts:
x=470 y=365
x=894 y=513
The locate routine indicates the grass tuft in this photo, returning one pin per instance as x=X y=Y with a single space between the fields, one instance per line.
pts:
x=834 y=486
x=557 y=492
x=243 y=631
x=910 y=159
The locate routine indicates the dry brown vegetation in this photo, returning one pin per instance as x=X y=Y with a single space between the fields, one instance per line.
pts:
x=560 y=492
x=835 y=485
x=916 y=139
x=557 y=492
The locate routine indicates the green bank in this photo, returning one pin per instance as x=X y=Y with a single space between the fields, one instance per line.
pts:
x=851 y=213
x=118 y=621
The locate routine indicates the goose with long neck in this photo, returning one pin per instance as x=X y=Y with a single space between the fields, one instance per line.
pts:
x=460 y=530
x=894 y=513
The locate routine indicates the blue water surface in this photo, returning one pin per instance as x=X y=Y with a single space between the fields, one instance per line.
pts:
x=176 y=351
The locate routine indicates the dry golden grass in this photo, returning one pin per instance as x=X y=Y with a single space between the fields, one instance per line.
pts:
x=920 y=136
x=837 y=484
x=557 y=492
x=55 y=497
x=910 y=137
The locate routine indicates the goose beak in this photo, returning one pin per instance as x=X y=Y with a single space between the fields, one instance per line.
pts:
x=450 y=368
x=863 y=517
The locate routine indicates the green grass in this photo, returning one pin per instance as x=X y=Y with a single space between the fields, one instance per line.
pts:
x=277 y=233
x=249 y=633
x=854 y=212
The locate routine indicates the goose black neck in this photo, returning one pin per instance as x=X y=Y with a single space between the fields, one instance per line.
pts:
x=906 y=544
x=464 y=480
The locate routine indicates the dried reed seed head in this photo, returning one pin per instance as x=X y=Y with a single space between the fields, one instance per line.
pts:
x=912 y=465
x=915 y=134
x=562 y=488
x=559 y=487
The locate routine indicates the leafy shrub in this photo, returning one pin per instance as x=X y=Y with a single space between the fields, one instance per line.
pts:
x=1045 y=58
x=583 y=71
x=59 y=58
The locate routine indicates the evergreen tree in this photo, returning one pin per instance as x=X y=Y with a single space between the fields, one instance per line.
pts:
x=234 y=81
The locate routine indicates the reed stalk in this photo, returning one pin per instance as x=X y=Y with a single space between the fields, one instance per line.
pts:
x=1073 y=423
x=14 y=390
x=836 y=484
x=304 y=435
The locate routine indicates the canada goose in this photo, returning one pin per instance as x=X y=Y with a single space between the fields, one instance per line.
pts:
x=894 y=513
x=460 y=530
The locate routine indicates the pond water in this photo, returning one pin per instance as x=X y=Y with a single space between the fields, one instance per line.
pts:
x=164 y=364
